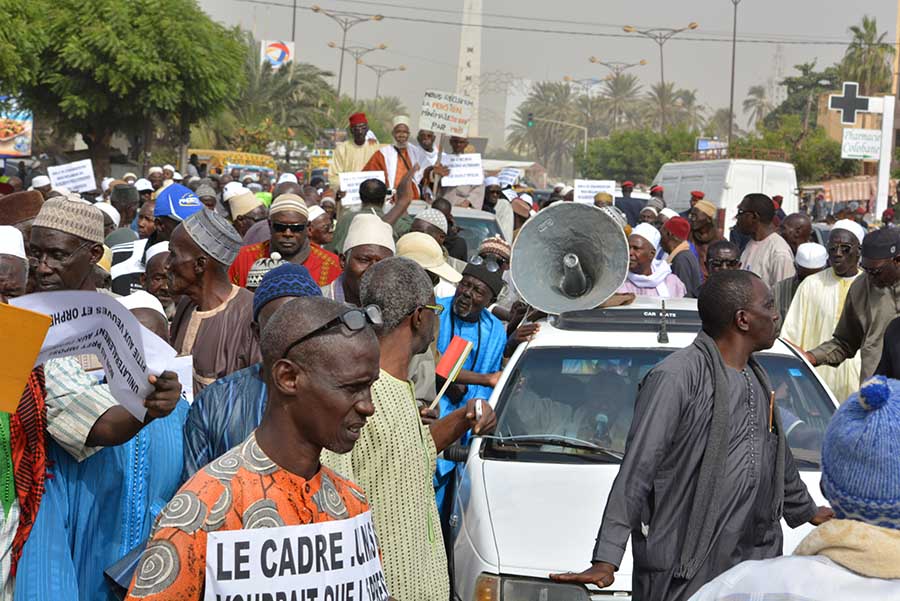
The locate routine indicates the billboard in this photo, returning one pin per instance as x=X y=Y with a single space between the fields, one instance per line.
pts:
x=16 y=125
x=276 y=52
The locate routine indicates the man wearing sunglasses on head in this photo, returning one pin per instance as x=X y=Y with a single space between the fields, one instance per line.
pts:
x=872 y=302
x=320 y=359
x=288 y=222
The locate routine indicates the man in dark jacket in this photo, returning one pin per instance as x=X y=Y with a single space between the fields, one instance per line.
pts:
x=674 y=240
x=707 y=474
x=229 y=409
x=628 y=205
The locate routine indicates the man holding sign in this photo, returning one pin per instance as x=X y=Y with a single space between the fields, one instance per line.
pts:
x=351 y=155
x=320 y=358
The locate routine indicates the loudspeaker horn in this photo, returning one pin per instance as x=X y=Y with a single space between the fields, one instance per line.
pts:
x=569 y=257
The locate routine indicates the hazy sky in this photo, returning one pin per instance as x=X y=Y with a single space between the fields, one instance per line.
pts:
x=429 y=50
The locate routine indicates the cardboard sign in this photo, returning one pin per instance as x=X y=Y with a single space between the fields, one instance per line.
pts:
x=76 y=177
x=509 y=176
x=91 y=323
x=446 y=113
x=465 y=170
x=350 y=182
x=22 y=332
x=586 y=189
x=336 y=560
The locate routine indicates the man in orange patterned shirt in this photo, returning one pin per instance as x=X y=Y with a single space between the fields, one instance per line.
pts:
x=288 y=217
x=321 y=358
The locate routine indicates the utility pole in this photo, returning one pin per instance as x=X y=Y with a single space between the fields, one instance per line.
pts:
x=345 y=20
x=380 y=71
x=584 y=130
x=733 y=57
x=616 y=68
x=357 y=52
x=661 y=35
x=294 y=23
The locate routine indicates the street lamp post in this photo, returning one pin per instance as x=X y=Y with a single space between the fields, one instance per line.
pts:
x=346 y=20
x=661 y=35
x=357 y=52
x=617 y=67
x=733 y=56
x=381 y=71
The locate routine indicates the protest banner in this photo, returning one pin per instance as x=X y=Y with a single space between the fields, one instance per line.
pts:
x=95 y=323
x=586 y=189
x=509 y=176
x=350 y=182
x=23 y=331
x=465 y=170
x=335 y=560
x=446 y=113
x=75 y=177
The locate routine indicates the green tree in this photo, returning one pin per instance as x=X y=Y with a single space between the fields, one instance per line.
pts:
x=622 y=94
x=109 y=66
x=803 y=90
x=635 y=154
x=757 y=104
x=868 y=58
x=718 y=125
x=550 y=144
x=689 y=112
x=661 y=105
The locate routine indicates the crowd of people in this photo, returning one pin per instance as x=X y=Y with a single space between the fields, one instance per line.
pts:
x=315 y=329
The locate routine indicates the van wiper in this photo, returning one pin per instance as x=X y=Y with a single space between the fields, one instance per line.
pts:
x=557 y=440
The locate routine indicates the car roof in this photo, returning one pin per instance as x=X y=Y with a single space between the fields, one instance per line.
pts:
x=417 y=206
x=642 y=320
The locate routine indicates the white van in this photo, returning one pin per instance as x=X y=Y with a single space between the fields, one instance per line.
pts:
x=725 y=182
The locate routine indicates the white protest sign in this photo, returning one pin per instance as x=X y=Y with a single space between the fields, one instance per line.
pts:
x=76 y=177
x=350 y=184
x=94 y=323
x=446 y=113
x=465 y=170
x=509 y=176
x=184 y=368
x=586 y=189
x=334 y=561
x=861 y=144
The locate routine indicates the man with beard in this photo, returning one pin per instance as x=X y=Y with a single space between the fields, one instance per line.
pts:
x=811 y=259
x=465 y=315
x=156 y=177
x=350 y=156
x=707 y=473
x=872 y=302
x=396 y=160
x=819 y=301
x=288 y=220
x=155 y=279
x=704 y=231
x=212 y=319
x=428 y=154
x=648 y=276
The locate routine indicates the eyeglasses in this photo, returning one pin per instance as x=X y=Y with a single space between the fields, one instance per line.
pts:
x=490 y=263
x=438 y=309
x=719 y=263
x=873 y=271
x=845 y=249
x=745 y=212
x=354 y=319
x=53 y=259
x=281 y=228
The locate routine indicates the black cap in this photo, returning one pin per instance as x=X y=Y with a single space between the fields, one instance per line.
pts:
x=881 y=244
x=125 y=193
x=493 y=279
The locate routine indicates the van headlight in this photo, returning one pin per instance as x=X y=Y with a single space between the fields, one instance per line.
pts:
x=490 y=587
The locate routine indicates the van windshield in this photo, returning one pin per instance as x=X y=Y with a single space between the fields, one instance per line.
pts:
x=576 y=404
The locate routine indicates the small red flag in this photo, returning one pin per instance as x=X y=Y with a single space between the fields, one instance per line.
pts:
x=453 y=358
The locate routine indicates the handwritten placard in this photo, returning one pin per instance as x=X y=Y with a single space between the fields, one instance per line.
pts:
x=335 y=561
x=586 y=189
x=76 y=177
x=465 y=170
x=446 y=113
x=350 y=184
x=509 y=176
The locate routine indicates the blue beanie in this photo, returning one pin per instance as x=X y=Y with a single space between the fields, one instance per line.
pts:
x=861 y=455
x=285 y=280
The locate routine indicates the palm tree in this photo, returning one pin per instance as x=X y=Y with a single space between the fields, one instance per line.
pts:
x=868 y=58
x=690 y=113
x=550 y=144
x=622 y=94
x=661 y=105
x=719 y=124
x=591 y=110
x=757 y=104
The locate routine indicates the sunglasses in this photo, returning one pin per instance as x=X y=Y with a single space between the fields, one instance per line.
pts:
x=845 y=249
x=354 y=319
x=492 y=264
x=281 y=228
x=717 y=263
x=745 y=212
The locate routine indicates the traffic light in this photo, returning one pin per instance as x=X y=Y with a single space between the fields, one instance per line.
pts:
x=530 y=121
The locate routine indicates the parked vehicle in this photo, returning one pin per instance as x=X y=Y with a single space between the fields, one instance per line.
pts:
x=474 y=225
x=531 y=497
x=725 y=182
